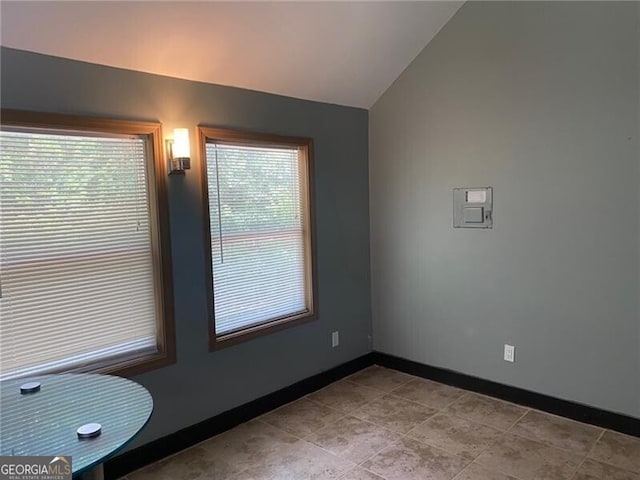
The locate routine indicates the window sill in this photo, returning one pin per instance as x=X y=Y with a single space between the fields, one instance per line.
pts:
x=218 y=342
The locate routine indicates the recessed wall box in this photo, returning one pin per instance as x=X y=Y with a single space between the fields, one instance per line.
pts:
x=473 y=207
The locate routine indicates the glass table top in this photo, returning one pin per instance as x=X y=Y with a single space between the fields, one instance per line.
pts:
x=45 y=422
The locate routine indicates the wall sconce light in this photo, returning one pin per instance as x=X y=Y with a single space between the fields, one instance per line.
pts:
x=178 y=151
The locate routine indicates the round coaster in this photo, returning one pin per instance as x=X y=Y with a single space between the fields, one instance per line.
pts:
x=89 y=430
x=30 y=387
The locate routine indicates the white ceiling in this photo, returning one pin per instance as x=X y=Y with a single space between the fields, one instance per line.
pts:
x=346 y=53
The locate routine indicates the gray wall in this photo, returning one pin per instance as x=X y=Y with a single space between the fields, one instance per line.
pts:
x=203 y=384
x=540 y=101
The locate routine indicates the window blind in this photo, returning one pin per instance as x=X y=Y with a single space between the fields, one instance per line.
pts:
x=256 y=212
x=76 y=261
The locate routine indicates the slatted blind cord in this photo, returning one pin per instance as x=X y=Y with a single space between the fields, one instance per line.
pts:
x=219 y=207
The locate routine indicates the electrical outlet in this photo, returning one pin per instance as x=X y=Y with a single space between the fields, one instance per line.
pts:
x=335 y=339
x=509 y=353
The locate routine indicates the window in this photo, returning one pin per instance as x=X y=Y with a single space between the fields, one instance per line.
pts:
x=258 y=233
x=84 y=265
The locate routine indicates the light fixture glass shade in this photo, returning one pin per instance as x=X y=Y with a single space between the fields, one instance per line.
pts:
x=181 y=148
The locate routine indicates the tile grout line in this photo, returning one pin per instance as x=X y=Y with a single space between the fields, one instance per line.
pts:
x=401 y=435
x=236 y=475
x=350 y=414
x=175 y=454
x=304 y=440
x=497 y=470
x=587 y=455
x=545 y=444
x=526 y=412
x=446 y=411
x=411 y=378
x=379 y=452
x=437 y=410
x=446 y=407
x=490 y=397
x=406 y=436
x=457 y=475
x=549 y=444
x=308 y=442
x=552 y=446
x=500 y=431
x=355 y=464
x=604 y=462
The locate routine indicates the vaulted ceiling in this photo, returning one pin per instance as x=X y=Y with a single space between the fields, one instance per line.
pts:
x=346 y=53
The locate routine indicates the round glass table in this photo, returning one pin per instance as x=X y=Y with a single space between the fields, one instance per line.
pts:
x=46 y=422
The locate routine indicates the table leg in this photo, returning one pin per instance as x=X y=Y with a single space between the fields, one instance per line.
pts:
x=96 y=473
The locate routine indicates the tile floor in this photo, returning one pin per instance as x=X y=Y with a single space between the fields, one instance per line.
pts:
x=380 y=424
